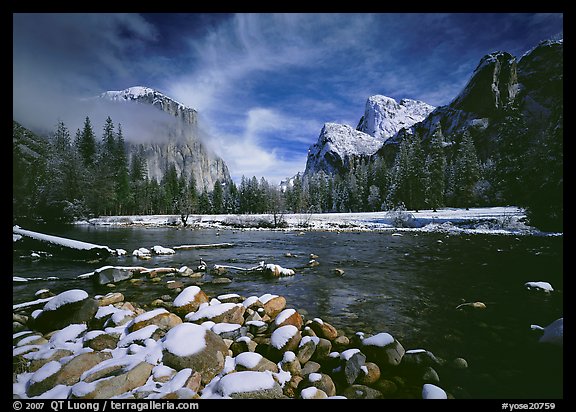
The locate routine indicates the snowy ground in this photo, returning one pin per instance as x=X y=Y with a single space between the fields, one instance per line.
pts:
x=494 y=220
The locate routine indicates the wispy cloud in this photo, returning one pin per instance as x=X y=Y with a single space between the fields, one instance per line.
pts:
x=264 y=84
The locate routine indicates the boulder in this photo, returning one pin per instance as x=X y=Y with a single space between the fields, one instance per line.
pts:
x=254 y=362
x=159 y=317
x=383 y=350
x=113 y=386
x=113 y=274
x=323 y=329
x=361 y=392
x=189 y=300
x=71 y=306
x=250 y=385
x=273 y=304
x=430 y=391
x=219 y=313
x=192 y=346
x=288 y=317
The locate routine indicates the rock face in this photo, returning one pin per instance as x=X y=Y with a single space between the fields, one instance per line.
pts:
x=384 y=116
x=178 y=139
x=530 y=87
x=337 y=146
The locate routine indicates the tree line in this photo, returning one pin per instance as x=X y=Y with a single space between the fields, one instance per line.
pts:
x=86 y=176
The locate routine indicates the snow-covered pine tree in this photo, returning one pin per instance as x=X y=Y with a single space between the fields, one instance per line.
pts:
x=436 y=170
x=466 y=171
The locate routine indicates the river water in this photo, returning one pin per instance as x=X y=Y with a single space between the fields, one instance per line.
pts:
x=408 y=286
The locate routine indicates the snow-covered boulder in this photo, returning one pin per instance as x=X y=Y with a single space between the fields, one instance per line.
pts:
x=553 y=333
x=539 y=286
x=284 y=338
x=430 y=391
x=193 y=346
x=161 y=250
x=277 y=270
x=189 y=300
x=249 y=385
x=272 y=304
x=323 y=329
x=158 y=317
x=288 y=317
x=253 y=361
x=71 y=306
x=218 y=312
x=116 y=385
x=383 y=350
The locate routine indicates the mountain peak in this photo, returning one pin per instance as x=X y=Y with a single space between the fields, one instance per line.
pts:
x=384 y=116
x=143 y=94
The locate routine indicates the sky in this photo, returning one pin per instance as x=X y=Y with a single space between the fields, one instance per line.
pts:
x=263 y=84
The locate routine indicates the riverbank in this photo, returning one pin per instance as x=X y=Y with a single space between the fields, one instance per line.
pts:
x=487 y=220
x=196 y=346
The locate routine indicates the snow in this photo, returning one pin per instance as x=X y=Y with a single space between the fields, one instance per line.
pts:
x=177 y=381
x=381 y=339
x=309 y=393
x=348 y=353
x=415 y=351
x=70 y=243
x=67 y=334
x=31 y=303
x=185 y=339
x=64 y=298
x=282 y=316
x=267 y=297
x=186 y=296
x=149 y=315
x=161 y=371
x=318 y=320
x=288 y=356
x=141 y=252
x=250 y=301
x=228 y=296
x=223 y=327
x=543 y=286
x=282 y=335
x=314 y=377
x=57 y=392
x=46 y=371
x=305 y=339
x=277 y=269
x=384 y=117
x=211 y=311
x=248 y=359
x=430 y=391
x=245 y=381
x=138 y=335
x=501 y=220
x=160 y=250
x=554 y=333
x=41 y=291
x=339 y=141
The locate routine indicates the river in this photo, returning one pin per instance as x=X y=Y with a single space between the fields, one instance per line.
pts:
x=408 y=286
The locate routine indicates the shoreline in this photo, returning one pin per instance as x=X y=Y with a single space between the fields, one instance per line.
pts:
x=487 y=220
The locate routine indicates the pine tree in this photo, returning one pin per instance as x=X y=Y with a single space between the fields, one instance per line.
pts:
x=399 y=187
x=217 y=198
x=86 y=143
x=466 y=172
x=122 y=177
x=436 y=171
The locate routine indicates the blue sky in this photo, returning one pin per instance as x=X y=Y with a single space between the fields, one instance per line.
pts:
x=264 y=84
